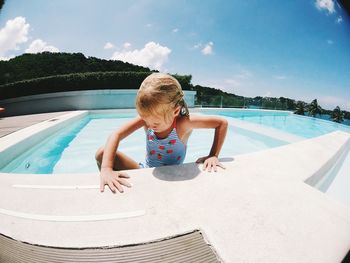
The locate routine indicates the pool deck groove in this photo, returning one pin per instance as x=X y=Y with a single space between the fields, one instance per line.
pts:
x=259 y=209
x=15 y=123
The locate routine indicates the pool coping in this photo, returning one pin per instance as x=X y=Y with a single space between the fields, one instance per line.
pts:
x=29 y=136
x=266 y=207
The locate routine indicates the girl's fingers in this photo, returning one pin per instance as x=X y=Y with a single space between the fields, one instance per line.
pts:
x=221 y=165
x=118 y=186
x=204 y=166
x=207 y=166
x=210 y=166
x=123 y=175
x=115 y=182
x=200 y=160
x=124 y=182
x=111 y=186
x=102 y=185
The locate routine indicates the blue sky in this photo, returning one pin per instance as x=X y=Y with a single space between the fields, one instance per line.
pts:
x=297 y=49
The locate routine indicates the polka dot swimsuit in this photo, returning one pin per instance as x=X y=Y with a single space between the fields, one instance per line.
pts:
x=167 y=151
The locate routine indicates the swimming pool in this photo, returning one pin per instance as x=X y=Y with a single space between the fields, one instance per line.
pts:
x=303 y=126
x=80 y=140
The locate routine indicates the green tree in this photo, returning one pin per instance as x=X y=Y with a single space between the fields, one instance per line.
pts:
x=314 y=108
x=337 y=115
x=45 y=64
x=300 y=108
x=2 y=2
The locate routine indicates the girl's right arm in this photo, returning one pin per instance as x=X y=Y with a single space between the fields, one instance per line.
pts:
x=115 y=179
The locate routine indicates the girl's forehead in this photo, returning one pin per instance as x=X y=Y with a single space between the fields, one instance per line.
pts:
x=158 y=111
x=152 y=117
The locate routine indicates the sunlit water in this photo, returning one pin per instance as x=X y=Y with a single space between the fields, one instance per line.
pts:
x=303 y=126
x=72 y=149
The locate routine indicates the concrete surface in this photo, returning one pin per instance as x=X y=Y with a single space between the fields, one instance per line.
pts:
x=259 y=209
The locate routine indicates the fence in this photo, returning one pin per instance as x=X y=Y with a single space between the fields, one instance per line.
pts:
x=241 y=102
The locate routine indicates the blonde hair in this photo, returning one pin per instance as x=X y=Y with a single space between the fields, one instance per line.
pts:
x=160 y=93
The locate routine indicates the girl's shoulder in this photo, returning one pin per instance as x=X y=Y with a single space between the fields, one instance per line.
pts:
x=202 y=121
x=183 y=123
x=188 y=120
x=183 y=128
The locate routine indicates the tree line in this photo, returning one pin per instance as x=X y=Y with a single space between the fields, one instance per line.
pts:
x=32 y=66
x=47 y=72
x=81 y=81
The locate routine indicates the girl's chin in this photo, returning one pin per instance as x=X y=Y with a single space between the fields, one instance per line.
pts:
x=158 y=130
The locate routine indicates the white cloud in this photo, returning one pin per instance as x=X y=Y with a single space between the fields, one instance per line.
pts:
x=267 y=94
x=149 y=25
x=13 y=33
x=238 y=79
x=196 y=46
x=339 y=19
x=108 y=45
x=175 y=30
x=153 y=55
x=330 y=102
x=233 y=82
x=7 y=58
x=237 y=83
x=232 y=85
x=39 y=45
x=208 y=49
x=126 y=45
x=243 y=74
x=325 y=4
x=280 y=77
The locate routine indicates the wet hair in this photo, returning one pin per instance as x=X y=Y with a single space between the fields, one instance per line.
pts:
x=159 y=94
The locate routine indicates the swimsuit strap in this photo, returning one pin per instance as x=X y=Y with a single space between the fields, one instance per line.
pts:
x=174 y=123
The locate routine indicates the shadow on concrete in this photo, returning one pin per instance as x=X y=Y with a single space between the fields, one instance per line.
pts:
x=181 y=172
x=177 y=172
x=226 y=159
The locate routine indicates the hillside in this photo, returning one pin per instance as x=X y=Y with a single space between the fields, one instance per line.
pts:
x=47 y=72
x=31 y=66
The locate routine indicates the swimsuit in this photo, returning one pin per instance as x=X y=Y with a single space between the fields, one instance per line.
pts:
x=168 y=151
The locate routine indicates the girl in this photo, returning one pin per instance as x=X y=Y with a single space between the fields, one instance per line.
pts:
x=164 y=115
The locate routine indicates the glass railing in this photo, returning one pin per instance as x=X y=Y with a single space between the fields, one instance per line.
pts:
x=241 y=102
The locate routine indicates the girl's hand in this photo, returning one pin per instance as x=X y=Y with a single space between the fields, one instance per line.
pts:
x=114 y=179
x=210 y=162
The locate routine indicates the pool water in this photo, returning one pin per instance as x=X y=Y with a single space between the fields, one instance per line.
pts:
x=72 y=149
x=80 y=140
x=303 y=126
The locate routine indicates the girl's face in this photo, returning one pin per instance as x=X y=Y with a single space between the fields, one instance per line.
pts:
x=158 y=123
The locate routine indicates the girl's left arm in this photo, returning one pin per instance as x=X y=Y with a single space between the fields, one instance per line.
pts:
x=211 y=161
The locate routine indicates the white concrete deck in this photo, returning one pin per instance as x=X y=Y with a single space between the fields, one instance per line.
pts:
x=11 y=124
x=257 y=210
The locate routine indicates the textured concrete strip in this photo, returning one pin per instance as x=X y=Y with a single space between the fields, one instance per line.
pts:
x=83 y=218
x=15 y=123
x=189 y=247
x=56 y=187
x=43 y=127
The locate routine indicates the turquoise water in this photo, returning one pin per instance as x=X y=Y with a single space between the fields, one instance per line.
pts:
x=72 y=149
x=303 y=126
